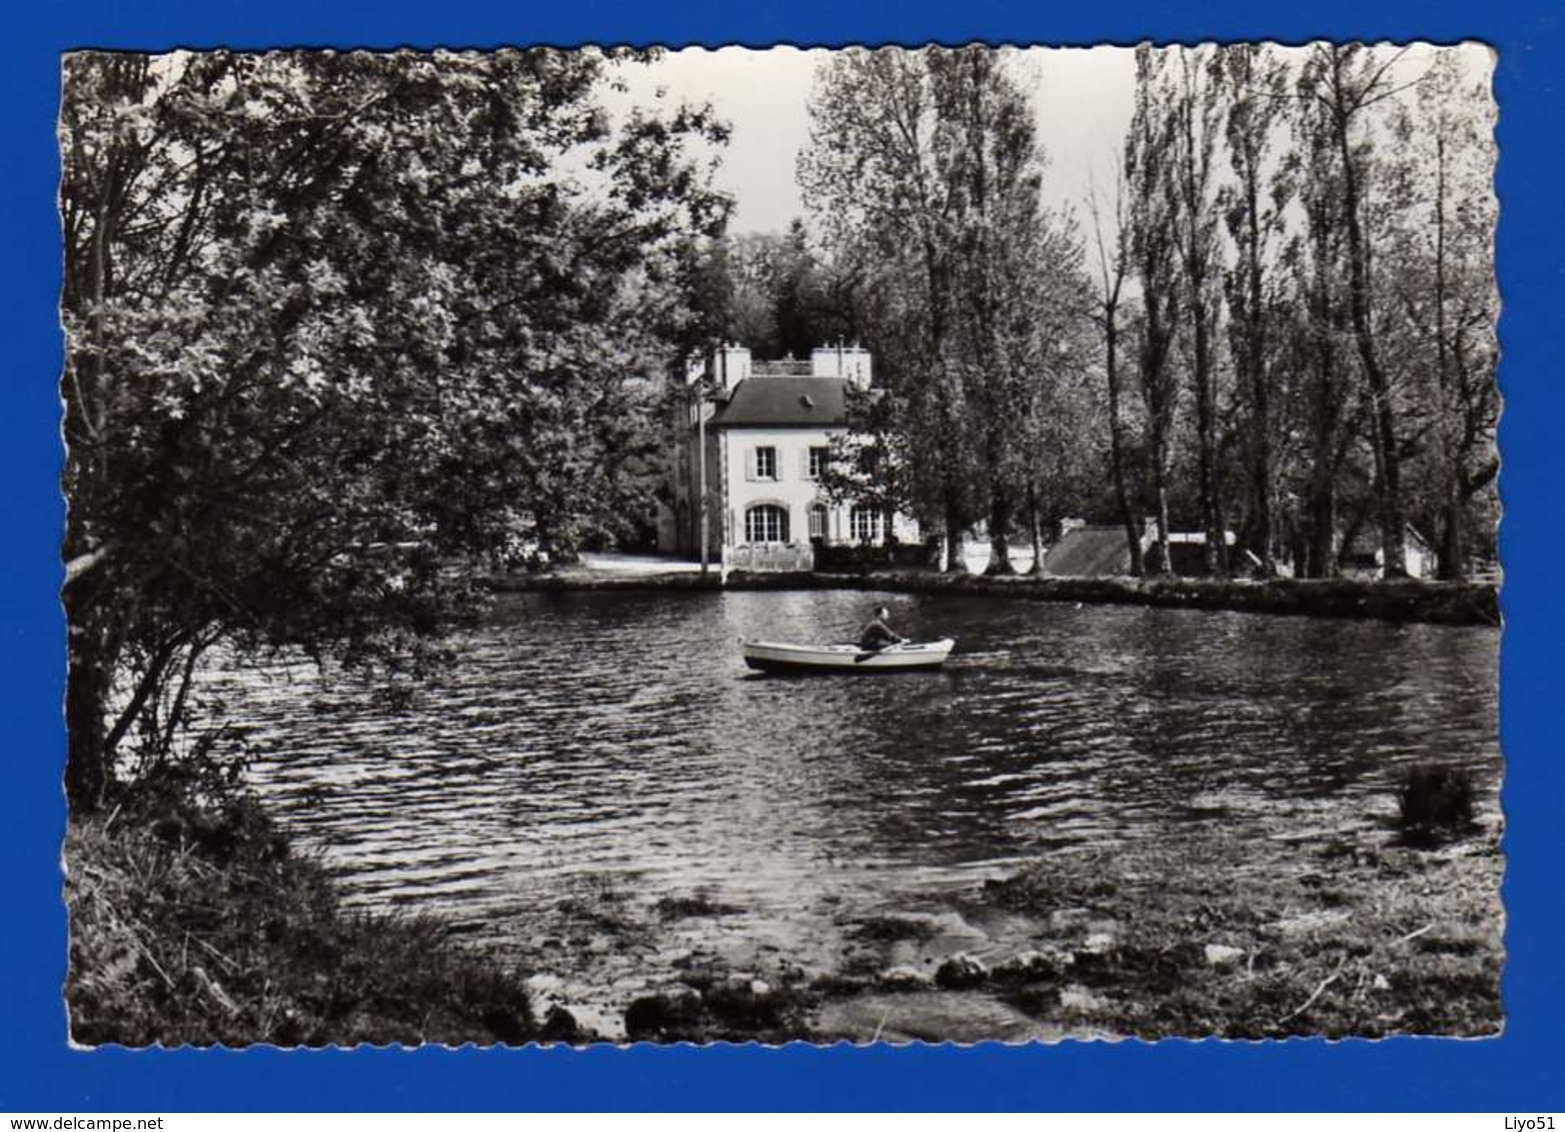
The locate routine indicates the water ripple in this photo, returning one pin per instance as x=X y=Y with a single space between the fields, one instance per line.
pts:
x=584 y=735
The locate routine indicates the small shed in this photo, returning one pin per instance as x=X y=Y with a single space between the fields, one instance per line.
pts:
x=1363 y=557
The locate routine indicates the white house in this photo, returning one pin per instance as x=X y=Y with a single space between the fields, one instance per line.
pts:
x=766 y=434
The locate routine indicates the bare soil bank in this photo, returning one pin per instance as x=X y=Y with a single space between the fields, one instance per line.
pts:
x=1445 y=603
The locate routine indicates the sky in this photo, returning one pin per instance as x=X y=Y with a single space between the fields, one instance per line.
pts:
x=1083 y=98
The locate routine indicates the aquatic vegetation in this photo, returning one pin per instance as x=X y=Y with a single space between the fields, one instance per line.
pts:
x=890 y=929
x=1435 y=804
x=691 y=907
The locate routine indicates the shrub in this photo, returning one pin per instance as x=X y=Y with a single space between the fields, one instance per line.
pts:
x=1435 y=803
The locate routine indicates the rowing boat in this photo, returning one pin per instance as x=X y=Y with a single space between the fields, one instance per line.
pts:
x=771 y=656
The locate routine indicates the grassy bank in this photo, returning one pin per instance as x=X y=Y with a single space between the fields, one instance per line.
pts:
x=201 y=926
x=1358 y=943
x=1446 y=603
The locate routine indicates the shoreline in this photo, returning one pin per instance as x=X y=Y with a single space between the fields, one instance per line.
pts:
x=1137 y=945
x=1355 y=935
x=1409 y=601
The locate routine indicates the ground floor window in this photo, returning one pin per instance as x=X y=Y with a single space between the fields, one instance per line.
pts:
x=766 y=522
x=865 y=523
x=817 y=520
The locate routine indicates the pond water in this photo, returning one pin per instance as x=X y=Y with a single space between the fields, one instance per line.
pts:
x=614 y=743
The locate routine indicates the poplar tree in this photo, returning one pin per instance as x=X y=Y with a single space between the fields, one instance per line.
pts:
x=1345 y=82
x=1254 y=207
x=1440 y=286
x=1152 y=201
x=923 y=167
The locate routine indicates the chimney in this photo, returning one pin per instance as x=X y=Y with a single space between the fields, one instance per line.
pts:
x=733 y=365
x=851 y=362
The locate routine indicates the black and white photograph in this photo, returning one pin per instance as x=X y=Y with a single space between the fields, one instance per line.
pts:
x=885 y=544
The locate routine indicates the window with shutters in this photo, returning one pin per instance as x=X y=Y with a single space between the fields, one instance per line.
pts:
x=817 y=520
x=865 y=523
x=766 y=523
x=766 y=463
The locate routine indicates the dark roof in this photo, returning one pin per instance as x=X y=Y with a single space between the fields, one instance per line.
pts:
x=784 y=401
x=1366 y=540
x=1089 y=552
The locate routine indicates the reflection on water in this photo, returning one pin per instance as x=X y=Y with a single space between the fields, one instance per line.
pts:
x=597 y=733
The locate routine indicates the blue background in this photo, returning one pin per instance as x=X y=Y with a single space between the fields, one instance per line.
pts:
x=1521 y=1071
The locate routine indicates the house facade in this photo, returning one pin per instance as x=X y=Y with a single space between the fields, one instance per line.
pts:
x=754 y=440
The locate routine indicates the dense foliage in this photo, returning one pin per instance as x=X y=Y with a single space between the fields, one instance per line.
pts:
x=332 y=319
x=193 y=922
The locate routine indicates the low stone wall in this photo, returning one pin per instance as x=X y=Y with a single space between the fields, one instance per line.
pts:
x=856 y=559
x=1442 y=603
x=790 y=558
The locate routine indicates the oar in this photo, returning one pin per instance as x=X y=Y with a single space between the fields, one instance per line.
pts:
x=863 y=656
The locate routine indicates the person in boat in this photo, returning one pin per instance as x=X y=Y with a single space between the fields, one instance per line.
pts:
x=878 y=634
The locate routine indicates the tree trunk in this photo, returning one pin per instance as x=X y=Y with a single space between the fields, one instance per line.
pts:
x=1001 y=512
x=1214 y=553
x=956 y=533
x=1035 y=531
x=1321 y=559
x=1263 y=524
x=1117 y=447
x=1393 y=523
x=1165 y=566
x=1452 y=551
x=87 y=776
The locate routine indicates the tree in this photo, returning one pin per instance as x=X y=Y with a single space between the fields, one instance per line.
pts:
x=1063 y=426
x=1346 y=81
x=872 y=176
x=1191 y=100
x=1440 y=286
x=1153 y=250
x=924 y=168
x=332 y=318
x=1254 y=207
x=1317 y=331
x=1113 y=267
x=1007 y=256
x=781 y=298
